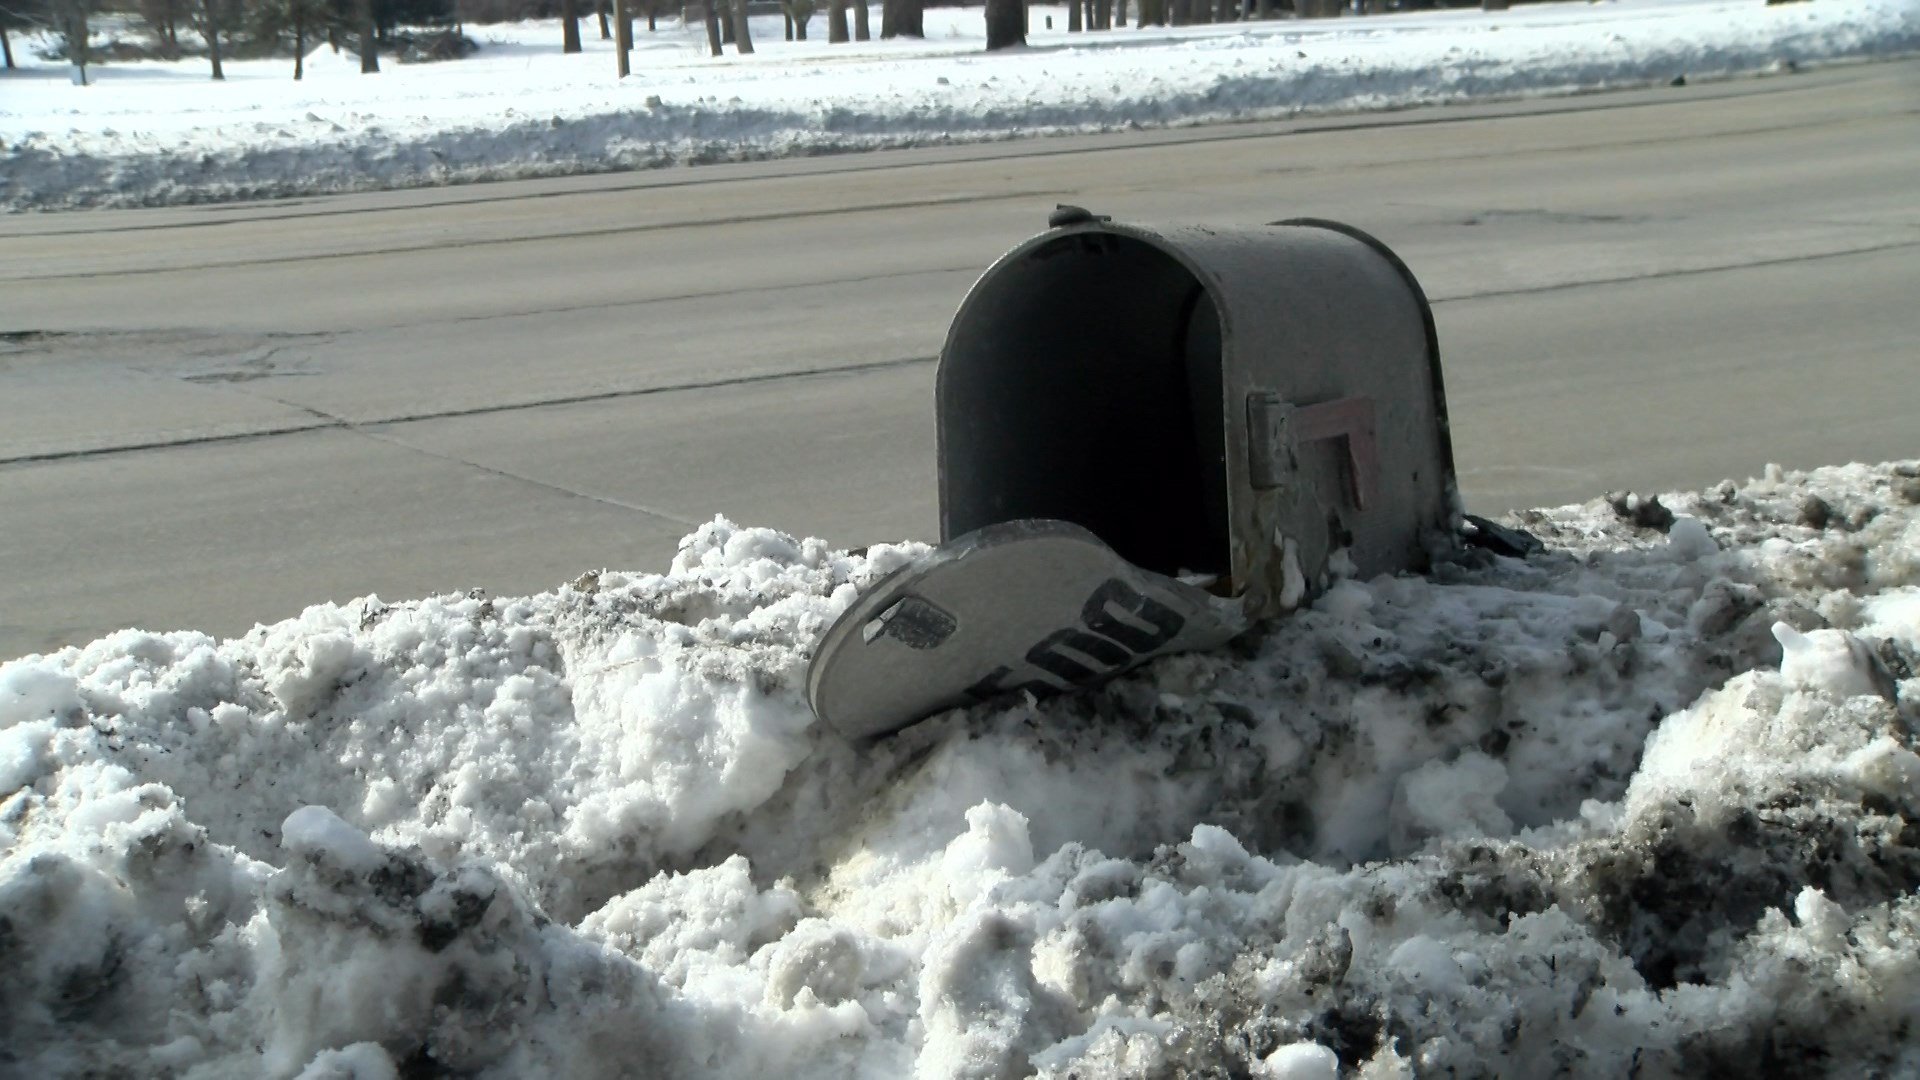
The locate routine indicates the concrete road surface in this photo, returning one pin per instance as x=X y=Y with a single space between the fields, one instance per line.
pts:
x=213 y=416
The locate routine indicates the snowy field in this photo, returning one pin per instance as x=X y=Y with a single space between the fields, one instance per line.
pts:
x=1642 y=805
x=152 y=133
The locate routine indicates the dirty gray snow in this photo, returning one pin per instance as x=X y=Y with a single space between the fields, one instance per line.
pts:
x=1643 y=804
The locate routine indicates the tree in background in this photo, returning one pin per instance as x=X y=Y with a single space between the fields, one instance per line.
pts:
x=213 y=18
x=902 y=18
x=623 y=36
x=742 y=37
x=1006 y=23
x=369 y=38
x=163 y=18
x=798 y=13
x=274 y=20
x=19 y=15
x=70 y=20
x=860 y=31
x=569 y=26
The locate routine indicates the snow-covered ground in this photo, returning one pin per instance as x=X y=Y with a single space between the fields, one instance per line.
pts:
x=153 y=133
x=1644 y=804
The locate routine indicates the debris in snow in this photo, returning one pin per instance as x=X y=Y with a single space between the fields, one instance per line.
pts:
x=1633 y=802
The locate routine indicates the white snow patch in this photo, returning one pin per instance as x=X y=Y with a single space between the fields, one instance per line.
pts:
x=154 y=132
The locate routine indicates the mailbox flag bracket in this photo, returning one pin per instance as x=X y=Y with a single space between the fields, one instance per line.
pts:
x=1276 y=429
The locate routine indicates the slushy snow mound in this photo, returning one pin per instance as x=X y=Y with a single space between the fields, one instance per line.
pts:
x=1644 y=803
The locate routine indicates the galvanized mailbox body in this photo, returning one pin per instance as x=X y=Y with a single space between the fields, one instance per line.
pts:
x=1234 y=403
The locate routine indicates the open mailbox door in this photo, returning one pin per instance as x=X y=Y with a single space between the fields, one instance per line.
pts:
x=1144 y=425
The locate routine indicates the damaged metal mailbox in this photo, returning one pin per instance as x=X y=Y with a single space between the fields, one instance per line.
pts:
x=1149 y=437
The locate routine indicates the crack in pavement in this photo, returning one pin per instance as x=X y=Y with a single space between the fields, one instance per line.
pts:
x=965 y=199
x=704 y=294
x=545 y=485
x=325 y=421
x=1661 y=275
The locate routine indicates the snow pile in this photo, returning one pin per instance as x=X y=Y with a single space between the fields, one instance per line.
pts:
x=1640 y=802
x=154 y=133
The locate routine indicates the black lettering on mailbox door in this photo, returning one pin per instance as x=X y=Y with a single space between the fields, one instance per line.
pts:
x=1098 y=617
x=1118 y=626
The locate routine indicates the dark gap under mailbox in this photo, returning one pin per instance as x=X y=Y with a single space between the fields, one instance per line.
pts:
x=1150 y=438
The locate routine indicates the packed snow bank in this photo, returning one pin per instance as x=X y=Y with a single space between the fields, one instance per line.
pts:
x=1646 y=801
x=155 y=133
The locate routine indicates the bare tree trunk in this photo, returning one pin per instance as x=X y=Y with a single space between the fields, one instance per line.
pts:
x=75 y=33
x=1006 y=23
x=888 y=15
x=742 y=35
x=1263 y=9
x=569 y=26
x=910 y=18
x=369 y=40
x=786 y=19
x=836 y=22
x=210 y=30
x=1073 y=16
x=862 y=30
x=606 y=24
x=726 y=21
x=623 y=37
x=1226 y=11
x=1120 y=13
x=713 y=27
x=299 y=42
x=6 y=46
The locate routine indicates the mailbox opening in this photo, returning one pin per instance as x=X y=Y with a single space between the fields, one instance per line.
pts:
x=1083 y=382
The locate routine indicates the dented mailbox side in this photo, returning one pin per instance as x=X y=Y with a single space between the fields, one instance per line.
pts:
x=1331 y=407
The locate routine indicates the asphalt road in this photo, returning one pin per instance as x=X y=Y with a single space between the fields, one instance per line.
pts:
x=213 y=416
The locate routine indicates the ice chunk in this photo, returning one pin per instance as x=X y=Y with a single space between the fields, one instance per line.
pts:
x=320 y=833
x=1832 y=661
x=1449 y=800
x=1299 y=1061
x=1689 y=541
